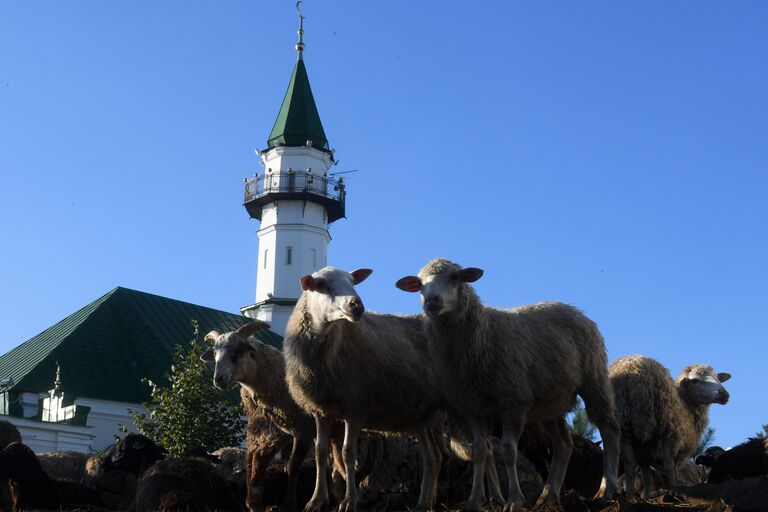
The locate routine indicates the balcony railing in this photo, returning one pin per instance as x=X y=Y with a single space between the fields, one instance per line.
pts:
x=323 y=189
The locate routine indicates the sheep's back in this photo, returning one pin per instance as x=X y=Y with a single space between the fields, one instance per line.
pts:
x=536 y=356
x=647 y=404
x=378 y=368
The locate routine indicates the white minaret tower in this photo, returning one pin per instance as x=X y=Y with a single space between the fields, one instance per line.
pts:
x=294 y=198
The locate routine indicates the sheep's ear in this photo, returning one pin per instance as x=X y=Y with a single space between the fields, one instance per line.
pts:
x=211 y=336
x=360 y=275
x=307 y=282
x=471 y=274
x=207 y=356
x=722 y=377
x=409 y=284
x=248 y=329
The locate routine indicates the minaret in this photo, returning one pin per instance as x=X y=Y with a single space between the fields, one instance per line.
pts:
x=295 y=199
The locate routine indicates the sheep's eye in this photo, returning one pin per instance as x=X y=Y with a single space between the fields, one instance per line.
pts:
x=454 y=276
x=320 y=285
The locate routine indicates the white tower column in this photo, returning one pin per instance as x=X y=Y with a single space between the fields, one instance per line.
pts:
x=295 y=199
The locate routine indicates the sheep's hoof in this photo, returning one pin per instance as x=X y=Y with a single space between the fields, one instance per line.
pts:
x=289 y=504
x=472 y=506
x=348 y=505
x=514 y=506
x=254 y=503
x=316 y=505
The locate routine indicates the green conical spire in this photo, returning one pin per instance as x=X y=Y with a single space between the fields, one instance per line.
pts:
x=298 y=120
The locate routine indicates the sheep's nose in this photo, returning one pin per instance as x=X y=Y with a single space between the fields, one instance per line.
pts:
x=355 y=308
x=723 y=396
x=433 y=304
x=219 y=381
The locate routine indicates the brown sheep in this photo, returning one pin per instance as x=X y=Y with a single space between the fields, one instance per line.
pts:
x=274 y=419
x=66 y=465
x=8 y=434
x=522 y=365
x=372 y=371
x=661 y=419
x=190 y=484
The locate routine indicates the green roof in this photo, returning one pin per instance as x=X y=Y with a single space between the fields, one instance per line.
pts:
x=298 y=120
x=107 y=347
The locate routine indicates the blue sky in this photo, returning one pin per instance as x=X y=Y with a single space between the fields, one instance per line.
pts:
x=607 y=154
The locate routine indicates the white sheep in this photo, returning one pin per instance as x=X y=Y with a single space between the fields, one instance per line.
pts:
x=661 y=419
x=523 y=365
x=370 y=370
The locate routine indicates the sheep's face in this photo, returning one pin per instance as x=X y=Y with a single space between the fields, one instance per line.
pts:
x=441 y=284
x=233 y=354
x=703 y=385
x=331 y=295
x=234 y=358
x=133 y=453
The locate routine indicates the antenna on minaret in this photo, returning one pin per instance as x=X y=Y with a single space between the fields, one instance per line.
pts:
x=300 y=44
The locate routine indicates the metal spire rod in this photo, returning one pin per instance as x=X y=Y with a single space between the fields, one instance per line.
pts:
x=300 y=44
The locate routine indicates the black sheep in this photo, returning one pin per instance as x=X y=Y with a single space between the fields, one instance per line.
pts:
x=745 y=460
x=31 y=488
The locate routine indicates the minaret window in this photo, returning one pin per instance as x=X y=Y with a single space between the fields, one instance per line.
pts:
x=289 y=255
x=266 y=253
x=314 y=258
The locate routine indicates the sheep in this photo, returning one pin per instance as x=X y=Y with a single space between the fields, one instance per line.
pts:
x=520 y=365
x=710 y=455
x=190 y=484
x=66 y=465
x=661 y=419
x=260 y=370
x=747 y=459
x=370 y=370
x=8 y=434
x=585 y=467
x=31 y=488
x=115 y=473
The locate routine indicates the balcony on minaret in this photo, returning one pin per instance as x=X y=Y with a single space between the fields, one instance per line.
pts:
x=302 y=185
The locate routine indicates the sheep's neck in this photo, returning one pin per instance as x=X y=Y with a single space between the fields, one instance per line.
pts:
x=266 y=391
x=699 y=412
x=465 y=326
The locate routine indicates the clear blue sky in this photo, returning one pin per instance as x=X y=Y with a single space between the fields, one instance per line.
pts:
x=612 y=155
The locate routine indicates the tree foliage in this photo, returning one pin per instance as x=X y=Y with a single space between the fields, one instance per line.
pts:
x=189 y=412
x=707 y=438
x=764 y=433
x=580 y=424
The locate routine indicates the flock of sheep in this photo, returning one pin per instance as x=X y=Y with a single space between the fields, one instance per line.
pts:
x=468 y=382
x=460 y=370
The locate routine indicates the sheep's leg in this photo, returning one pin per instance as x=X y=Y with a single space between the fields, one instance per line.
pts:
x=630 y=466
x=298 y=452
x=349 y=454
x=512 y=430
x=670 y=469
x=320 y=496
x=430 y=468
x=479 y=428
x=562 y=446
x=256 y=463
x=599 y=403
x=492 y=476
x=648 y=481
x=338 y=474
